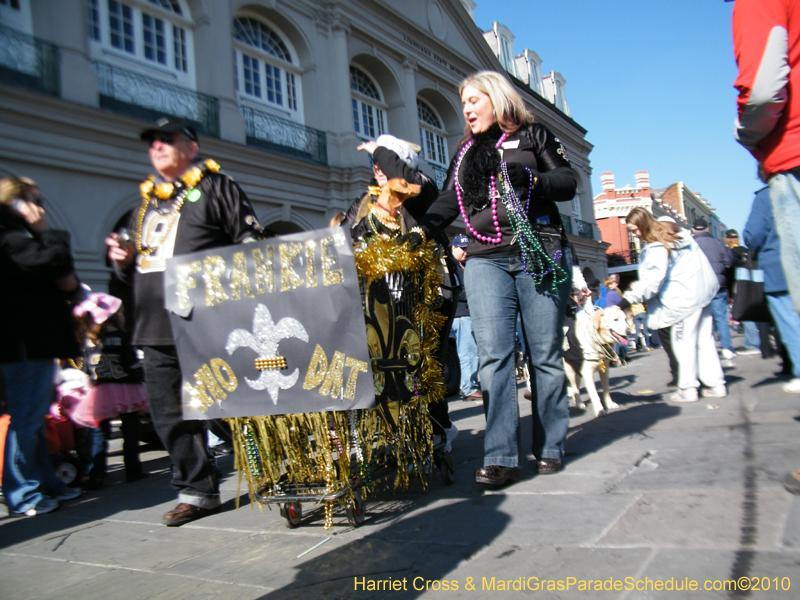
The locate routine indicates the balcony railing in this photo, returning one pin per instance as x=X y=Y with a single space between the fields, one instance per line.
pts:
x=577 y=227
x=136 y=95
x=618 y=259
x=28 y=62
x=285 y=137
x=439 y=174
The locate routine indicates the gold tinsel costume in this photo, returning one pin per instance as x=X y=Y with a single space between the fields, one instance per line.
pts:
x=341 y=450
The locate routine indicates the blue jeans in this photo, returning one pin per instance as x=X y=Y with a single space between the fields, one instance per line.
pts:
x=640 y=321
x=193 y=470
x=719 y=310
x=28 y=471
x=467 y=354
x=788 y=323
x=498 y=289
x=784 y=194
x=752 y=339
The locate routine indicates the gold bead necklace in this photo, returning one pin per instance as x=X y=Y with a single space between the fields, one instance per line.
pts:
x=164 y=191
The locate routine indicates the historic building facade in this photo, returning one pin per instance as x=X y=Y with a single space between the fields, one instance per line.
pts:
x=613 y=204
x=281 y=92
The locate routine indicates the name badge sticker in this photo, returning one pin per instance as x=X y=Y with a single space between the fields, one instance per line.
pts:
x=511 y=144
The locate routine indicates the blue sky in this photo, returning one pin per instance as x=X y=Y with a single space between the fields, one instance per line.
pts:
x=652 y=82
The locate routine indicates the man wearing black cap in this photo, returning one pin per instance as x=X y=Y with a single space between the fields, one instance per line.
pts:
x=462 y=328
x=721 y=259
x=754 y=340
x=188 y=206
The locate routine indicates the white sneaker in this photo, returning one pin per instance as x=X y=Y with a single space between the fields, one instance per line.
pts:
x=792 y=386
x=748 y=352
x=44 y=506
x=451 y=433
x=687 y=395
x=719 y=391
x=727 y=354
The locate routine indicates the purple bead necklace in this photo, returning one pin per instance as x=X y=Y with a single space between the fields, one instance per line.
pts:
x=493 y=196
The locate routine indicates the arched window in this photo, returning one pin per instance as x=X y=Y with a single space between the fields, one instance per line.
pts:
x=265 y=69
x=369 y=113
x=16 y=14
x=432 y=134
x=156 y=33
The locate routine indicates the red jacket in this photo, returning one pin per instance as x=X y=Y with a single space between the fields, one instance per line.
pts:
x=766 y=41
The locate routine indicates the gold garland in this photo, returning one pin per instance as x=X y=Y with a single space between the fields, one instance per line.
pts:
x=301 y=448
x=165 y=191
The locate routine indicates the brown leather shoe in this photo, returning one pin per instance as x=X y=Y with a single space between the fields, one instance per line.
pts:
x=184 y=513
x=548 y=466
x=496 y=475
x=527 y=395
x=478 y=395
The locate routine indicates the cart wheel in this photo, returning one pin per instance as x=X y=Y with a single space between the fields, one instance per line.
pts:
x=357 y=511
x=67 y=470
x=292 y=512
x=447 y=469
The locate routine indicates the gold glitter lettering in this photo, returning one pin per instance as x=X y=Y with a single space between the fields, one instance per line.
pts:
x=333 y=381
x=356 y=367
x=205 y=377
x=240 y=281
x=213 y=269
x=289 y=277
x=225 y=375
x=317 y=370
x=311 y=265
x=199 y=398
x=186 y=282
x=265 y=280
x=331 y=276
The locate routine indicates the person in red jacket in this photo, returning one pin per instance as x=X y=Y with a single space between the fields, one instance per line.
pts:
x=766 y=40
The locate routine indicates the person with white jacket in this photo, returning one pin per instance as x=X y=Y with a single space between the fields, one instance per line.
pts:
x=677 y=283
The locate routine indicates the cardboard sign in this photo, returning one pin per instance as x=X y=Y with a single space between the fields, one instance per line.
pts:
x=271 y=327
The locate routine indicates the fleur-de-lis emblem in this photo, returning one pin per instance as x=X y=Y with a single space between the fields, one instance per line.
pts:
x=264 y=340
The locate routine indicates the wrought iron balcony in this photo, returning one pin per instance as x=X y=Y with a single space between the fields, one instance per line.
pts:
x=585 y=229
x=28 y=62
x=618 y=259
x=136 y=95
x=577 y=227
x=285 y=137
x=439 y=174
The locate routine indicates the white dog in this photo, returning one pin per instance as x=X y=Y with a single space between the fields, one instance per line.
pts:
x=596 y=330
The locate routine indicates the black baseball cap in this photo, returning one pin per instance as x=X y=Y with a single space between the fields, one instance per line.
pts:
x=731 y=233
x=169 y=125
x=699 y=224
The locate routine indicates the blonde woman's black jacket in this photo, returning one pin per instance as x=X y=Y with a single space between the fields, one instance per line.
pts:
x=534 y=146
x=35 y=318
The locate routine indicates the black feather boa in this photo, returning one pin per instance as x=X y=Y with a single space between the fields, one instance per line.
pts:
x=481 y=160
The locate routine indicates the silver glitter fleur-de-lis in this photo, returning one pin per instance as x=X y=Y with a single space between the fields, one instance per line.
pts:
x=264 y=340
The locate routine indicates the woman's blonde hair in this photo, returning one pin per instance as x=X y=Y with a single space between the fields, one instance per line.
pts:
x=609 y=280
x=15 y=187
x=509 y=108
x=651 y=230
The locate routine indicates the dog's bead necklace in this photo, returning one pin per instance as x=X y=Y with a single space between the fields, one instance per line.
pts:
x=493 y=196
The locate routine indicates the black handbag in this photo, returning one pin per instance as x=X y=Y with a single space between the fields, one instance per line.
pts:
x=749 y=302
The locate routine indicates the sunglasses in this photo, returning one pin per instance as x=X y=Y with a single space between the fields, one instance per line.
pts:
x=166 y=138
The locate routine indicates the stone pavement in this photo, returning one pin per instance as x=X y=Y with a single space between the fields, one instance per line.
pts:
x=655 y=494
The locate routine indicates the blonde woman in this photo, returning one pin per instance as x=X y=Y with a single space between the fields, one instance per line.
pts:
x=505 y=180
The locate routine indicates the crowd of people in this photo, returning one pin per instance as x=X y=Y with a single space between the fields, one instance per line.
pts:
x=511 y=271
